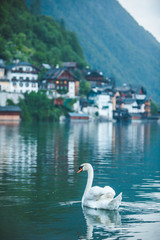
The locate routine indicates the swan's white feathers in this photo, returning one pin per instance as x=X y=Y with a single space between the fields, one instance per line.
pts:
x=98 y=197
x=98 y=193
x=104 y=203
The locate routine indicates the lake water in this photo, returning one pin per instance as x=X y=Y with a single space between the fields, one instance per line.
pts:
x=40 y=191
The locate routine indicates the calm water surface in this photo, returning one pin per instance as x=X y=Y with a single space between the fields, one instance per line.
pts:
x=40 y=191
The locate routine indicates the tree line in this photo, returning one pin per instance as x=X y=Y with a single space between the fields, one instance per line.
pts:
x=29 y=36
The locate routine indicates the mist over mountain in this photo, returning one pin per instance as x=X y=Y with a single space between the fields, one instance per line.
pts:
x=111 y=39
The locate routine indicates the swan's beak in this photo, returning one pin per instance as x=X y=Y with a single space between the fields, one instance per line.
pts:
x=80 y=170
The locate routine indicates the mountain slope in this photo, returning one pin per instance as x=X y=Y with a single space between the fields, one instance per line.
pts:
x=112 y=40
x=35 y=38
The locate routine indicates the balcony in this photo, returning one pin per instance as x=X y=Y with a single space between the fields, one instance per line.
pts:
x=24 y=71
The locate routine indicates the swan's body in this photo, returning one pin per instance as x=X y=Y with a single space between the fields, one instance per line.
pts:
x=98 y=197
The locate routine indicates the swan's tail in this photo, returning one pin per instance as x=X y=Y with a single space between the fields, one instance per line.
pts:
x=115 y=203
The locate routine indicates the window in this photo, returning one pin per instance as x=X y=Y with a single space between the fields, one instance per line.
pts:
x=27 y=84
x=105 y=107
x=51 y=85
x=21 y=84
x=21 y=78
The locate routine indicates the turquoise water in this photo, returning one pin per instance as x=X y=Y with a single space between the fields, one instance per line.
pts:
x=40 y=191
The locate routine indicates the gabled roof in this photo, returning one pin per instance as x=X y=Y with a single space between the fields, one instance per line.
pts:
x=21 y=64
x=124 y=88
x=94 y=73
x=94 y=92
x=129 y=100
x=55 y=73
x=138 y=89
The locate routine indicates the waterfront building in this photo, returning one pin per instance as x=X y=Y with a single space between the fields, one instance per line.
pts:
x=22 y=77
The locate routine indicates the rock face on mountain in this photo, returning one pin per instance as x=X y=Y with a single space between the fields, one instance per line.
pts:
x=112 y=40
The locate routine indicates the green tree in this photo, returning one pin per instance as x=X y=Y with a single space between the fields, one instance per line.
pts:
x=35 y=38
x=84 y=88
x=10 y=102
x=154 y=107
x=38 y=107
x=25 y=114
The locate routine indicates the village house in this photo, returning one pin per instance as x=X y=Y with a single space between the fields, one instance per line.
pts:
x=104 y=100
x=96 y=78
x=133 y=106
x=10 y=114
x=60 y=81
x=105 y=106
x=23 y=77
x=131 y=102
x=72 y=116
x=4 y=82
x=100 y=104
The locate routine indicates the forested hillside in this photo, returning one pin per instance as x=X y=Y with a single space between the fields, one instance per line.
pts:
x=111 y=39
x=27 y=35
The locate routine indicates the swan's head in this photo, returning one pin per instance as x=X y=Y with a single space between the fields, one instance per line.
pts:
x=84 y=167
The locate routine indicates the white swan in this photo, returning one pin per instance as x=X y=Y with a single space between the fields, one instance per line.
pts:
x=98 y=197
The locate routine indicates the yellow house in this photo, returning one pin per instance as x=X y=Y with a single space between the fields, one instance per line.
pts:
x=5 y=85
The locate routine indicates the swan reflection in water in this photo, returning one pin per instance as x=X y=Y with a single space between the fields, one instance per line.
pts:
x=97 y=218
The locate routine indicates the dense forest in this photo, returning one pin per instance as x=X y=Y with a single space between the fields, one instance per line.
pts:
x=29 y=36
x=112 y=40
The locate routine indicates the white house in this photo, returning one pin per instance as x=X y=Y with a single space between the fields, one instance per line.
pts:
x=132 y=106
x=23 y=77
x=105 y=106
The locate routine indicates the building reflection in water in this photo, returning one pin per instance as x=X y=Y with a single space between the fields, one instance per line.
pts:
x=130 y=139
x=104 y=139
x=108 y=139
x=17 y=152
x=30 y=153
x=73 y=144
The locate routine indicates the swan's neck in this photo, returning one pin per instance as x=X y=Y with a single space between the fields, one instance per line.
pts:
x=89 y=181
